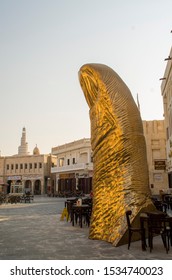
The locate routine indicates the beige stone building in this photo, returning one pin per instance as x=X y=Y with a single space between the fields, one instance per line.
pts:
x=74 y=166
x=155 y=136
x=69 y=167
x=27 y=173
x=166 y=90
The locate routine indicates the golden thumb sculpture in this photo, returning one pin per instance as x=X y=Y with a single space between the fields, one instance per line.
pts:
x=120 y=178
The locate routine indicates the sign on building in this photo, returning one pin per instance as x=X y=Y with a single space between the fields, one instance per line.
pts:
x=160 y=165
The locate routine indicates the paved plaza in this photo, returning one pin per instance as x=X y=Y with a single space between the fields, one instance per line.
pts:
x=34 y=231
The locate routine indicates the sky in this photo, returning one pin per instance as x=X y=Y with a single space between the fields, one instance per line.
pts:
x=43 y=44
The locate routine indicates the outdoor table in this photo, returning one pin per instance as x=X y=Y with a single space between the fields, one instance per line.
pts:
x=27 y=198
x=80 y=211
x=72 y=200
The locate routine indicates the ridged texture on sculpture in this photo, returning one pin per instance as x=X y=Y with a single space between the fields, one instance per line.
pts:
x=120 y=178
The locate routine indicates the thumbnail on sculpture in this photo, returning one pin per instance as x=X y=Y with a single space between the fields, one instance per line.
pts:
x=120 y=179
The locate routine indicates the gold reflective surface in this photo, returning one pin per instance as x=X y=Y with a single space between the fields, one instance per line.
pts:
x=120 y=178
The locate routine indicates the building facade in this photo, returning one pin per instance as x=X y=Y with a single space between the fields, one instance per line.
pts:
x=74 y=168
x=69 y=167
x=26 y=173
x=155 y=137
x=166 y=91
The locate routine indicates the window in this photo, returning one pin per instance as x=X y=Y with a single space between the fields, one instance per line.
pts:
x=73 y=161
x=155 y=142
x=68 y=161
x=167 y=133
x=25 y=166
x=16 y=166
x=40 y=165
x=21 y=165
x=156 y=154
x=61 y=162
x=35 y=165
x=8 y=167
x=30 y=165
x=83 y=157
x=12 y=166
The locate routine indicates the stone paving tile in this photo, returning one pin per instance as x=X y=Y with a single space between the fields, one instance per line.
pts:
x=33 y=231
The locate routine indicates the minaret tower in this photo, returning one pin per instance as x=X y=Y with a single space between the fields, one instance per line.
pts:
x=23 y=148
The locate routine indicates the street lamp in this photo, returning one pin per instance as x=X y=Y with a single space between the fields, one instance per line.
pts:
x=168 y=58
x=161 y=79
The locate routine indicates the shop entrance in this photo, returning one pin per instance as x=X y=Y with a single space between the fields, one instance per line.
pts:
x=37 y=187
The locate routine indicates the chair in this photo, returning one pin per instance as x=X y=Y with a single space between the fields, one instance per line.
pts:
x=158 y=225
x=161 y=206
x=68 y=204
x=169 y=225
x=132 y=230
x=168 y=200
